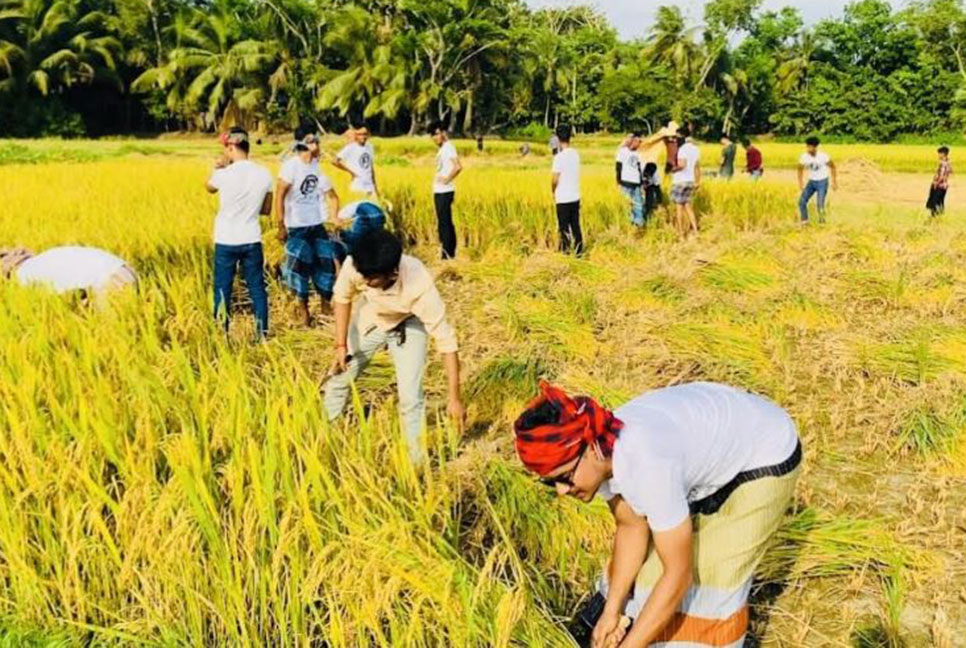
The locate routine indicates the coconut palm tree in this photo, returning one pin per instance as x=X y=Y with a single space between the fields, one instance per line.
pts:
x=672 y=43
x=49 y=45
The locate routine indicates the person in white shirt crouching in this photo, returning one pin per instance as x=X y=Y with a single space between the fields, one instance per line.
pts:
x=68 y=269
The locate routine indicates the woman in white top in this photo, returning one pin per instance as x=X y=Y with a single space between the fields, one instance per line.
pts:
x=698 y=478
x=69 y=268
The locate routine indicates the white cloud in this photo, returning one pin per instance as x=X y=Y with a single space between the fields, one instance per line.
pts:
x=633 y=17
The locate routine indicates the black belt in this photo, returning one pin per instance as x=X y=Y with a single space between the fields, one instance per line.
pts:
x=709 y=505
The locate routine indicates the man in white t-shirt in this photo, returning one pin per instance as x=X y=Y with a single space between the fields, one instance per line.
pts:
x=244 y=193
x=819 y=167
x=359 y=159
x=630 y=178
x=685 y=181
x=69 y=268
x=447 y=168
x=304 y=200
x=702 y=471
x=565 y=183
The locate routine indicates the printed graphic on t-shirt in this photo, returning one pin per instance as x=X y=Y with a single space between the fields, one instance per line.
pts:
x=309 y=186
x=365 y=161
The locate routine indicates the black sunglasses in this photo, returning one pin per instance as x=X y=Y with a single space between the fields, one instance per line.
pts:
x=567 y=479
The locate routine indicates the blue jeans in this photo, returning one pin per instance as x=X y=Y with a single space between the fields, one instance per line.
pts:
x=813 y=187
x=636 y=197
x=252 y=261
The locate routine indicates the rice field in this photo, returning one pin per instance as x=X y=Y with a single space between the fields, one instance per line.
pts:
x=163 y=484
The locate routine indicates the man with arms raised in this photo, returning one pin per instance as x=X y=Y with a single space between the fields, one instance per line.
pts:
x=244 y=193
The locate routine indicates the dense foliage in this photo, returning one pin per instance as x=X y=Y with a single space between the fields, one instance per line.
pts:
x=72 y=67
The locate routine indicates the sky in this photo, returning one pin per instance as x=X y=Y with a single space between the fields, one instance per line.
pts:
x=633 y=17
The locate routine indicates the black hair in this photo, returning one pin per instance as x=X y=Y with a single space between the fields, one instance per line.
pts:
x=377 y=254
x=684 y=131
x=650 y=169
x=745 y=142
x=564 y=132
x=812 y=141
x=437 y=126
x=545 y=413
x=305 y=128
x=944 y=150
x=636 y=133
x=243 y=145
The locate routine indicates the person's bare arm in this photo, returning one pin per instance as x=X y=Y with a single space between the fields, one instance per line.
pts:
x=457 y=169
x=210 y=188
x=337 y=163
x=454 y=403
x=835 y=175
x=801 y=177
x=267 y=205
x=332 y=198
x=281 y=190
x=630 y=550
x=674 y=549
x=697 y=173
x=375 y=187
x=554 y=181
x=342 y=313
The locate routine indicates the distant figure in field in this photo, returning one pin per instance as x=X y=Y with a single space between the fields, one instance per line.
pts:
x=728 y=152
x=629 y=178
x=304 y=201
x=444 y=191
x=685 y=182
x=479 y=143
x=565 y=184
x=754 y=165
x=554 y=144
x=940 y=184
x=358 y=158
x=671 y=147
x=401 y=308
x=69 y=268
x=524 y=149
x=651 y=183
x=244 y=193
x=819 y=167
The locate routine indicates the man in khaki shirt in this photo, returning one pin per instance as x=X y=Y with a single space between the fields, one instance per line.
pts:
x=400 y=309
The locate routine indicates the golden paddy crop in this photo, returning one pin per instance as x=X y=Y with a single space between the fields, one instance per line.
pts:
x=164 y=484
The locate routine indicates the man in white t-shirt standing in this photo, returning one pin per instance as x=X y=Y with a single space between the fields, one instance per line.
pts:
x=304 y=201
x=819 y=167
x=447 y=168
x=358 y=158
x=244 y=193
x=685 y=181
x=629 y=177
x=565 y=183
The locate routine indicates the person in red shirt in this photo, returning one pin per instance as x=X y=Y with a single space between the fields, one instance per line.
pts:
x=753 y=160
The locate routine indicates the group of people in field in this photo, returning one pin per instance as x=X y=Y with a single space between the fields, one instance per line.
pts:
x=697 y=476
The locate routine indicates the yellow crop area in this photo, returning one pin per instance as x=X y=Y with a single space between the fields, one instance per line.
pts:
x=164 y=484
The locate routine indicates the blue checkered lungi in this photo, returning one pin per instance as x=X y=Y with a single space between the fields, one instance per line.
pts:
x=310 y=259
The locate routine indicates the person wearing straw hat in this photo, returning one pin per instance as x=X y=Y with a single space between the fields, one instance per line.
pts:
x=69 y=268
x=698 y=478
x=244 y=191
x=304 y=201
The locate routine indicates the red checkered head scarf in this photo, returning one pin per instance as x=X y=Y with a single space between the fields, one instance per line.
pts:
x=555 y=428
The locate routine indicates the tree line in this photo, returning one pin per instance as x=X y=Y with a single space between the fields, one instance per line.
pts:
x=92 y=67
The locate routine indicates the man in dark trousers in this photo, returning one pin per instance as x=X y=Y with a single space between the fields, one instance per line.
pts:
x=447 y=168
x=565 y=184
